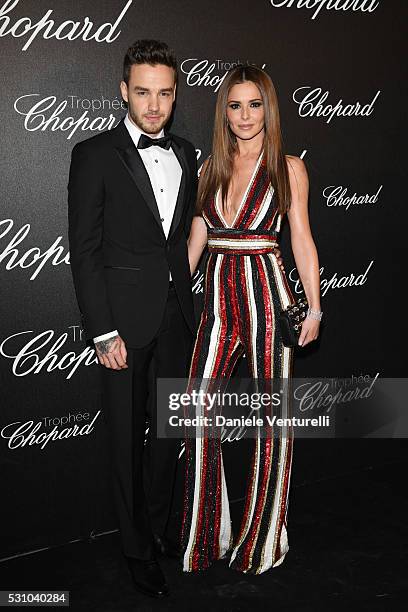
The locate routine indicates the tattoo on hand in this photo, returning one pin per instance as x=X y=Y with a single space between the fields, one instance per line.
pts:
x=104 y=346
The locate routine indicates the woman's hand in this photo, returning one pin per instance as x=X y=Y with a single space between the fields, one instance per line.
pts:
x=309 y=331
x=279 y=259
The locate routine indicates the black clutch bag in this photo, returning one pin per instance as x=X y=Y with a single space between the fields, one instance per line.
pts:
x=290 y=321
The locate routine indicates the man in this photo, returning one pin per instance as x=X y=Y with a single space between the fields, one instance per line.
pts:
x=132 y=193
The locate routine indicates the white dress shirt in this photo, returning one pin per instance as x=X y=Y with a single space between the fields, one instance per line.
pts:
x=165 y=174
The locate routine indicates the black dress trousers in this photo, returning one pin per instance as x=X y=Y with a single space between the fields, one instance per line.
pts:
x=143 y=491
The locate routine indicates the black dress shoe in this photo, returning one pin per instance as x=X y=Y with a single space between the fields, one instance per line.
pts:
x=148 y=577
x=163 y=546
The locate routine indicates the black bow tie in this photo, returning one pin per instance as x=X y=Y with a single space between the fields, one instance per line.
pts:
x=146 y=141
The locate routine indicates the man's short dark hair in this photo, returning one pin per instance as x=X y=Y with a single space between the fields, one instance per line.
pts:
x=151 y=52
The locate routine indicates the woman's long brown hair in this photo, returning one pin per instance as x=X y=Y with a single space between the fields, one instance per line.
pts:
x=218 y=170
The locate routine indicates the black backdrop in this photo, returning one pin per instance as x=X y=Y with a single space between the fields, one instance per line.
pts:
x=341 y=92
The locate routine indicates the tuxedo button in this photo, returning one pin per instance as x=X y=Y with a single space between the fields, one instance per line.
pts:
x=167 y=247
x=162 y=219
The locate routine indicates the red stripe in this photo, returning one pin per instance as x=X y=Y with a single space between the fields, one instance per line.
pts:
x=204 y=502
x=212 y=211
x=268 y=312
x=236 y=235
x=217 y=518
x=187 y=449
x=249 y=197
x=203 y=530
x=229 y=362
x=222 y=305
x=245 y=322
x=196 y=553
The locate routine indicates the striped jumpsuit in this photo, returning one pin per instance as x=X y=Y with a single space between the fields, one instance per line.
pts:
x=244 y=292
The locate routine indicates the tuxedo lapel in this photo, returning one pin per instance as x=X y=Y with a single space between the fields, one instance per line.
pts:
x=136 y=168
x=130 y=157
x=185 y=176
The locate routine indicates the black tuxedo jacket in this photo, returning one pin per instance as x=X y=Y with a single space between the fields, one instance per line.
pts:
x=120 y=257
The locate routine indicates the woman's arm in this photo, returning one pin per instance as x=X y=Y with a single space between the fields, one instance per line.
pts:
x=196 y=242
x=303 y=246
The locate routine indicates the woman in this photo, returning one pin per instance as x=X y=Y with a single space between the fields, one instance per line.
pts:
x=246 y=187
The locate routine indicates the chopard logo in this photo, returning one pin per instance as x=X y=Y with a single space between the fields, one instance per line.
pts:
x=335 y=282
x=47 y=28
x=44 y=352
x=203 y=73
x=336 y=196
x=365 y=6
x=33 y=257
x=49 y=113
x=21 y=434
x=311 y=104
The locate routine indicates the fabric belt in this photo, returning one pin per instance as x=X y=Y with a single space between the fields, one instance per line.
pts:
x=241 y=242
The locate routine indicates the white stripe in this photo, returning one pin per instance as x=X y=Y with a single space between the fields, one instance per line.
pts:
x=225 y=523
x=264 y=207
x=208 y=368
x=284 y=296
x=241 y=244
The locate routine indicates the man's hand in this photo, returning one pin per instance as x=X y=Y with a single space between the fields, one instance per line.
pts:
x=279 y=259
x=112 y=353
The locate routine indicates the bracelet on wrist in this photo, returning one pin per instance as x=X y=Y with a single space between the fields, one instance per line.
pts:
x=315 y=314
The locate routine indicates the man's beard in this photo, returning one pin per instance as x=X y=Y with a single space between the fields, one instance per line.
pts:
x=146 y=126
